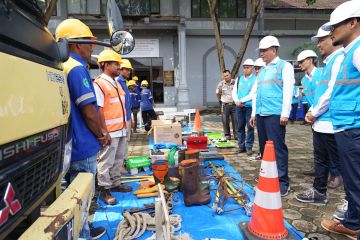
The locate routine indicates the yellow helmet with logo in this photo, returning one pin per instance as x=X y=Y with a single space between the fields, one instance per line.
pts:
x=126 y=64
x=144 y=83
x=131 y=83
x=73 y=28
x=135 y=78
x=109 y=55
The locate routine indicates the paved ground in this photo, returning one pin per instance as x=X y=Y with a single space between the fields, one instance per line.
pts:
x=304 y=217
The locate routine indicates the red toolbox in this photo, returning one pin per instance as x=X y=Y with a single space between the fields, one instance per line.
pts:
x=197 y=142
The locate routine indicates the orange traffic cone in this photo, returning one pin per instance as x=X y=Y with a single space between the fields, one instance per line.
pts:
x=197 y=123
x=267 y=220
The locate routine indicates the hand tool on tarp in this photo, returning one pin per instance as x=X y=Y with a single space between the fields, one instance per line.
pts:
x=226 y=189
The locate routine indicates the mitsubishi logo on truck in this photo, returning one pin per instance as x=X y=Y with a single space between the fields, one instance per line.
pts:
x=12 y=205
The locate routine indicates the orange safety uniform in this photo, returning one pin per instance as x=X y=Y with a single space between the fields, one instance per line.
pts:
x=114 y=104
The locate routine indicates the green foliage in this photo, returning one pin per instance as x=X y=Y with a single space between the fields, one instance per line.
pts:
x=309 y=2
x=305 y=46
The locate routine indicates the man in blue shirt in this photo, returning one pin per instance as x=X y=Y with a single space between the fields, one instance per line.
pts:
x=147 y=105
x=242 y=97
x=345 y=111
x=271 y=105
x=135 y=101
x=87 y=135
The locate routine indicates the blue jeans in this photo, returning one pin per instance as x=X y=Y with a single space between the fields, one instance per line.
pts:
x=269 y=128
x=243 y=118
x=85 y=165
x=348 y=143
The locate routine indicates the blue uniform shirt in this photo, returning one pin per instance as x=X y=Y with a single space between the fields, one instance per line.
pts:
x=135 y=98
x=295 y=95
x=85 y=143
x=146 y=100
x=122 y=82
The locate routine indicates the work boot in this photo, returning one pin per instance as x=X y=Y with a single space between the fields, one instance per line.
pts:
x=192 y=154
x=106 y=196
x=121 y=188
x=334 y=182
x=193 y=195
x=309 y=172
x=339 y=228
x=181 y=155
x=202 y=185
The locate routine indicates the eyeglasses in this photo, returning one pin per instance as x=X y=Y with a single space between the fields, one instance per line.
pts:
x=332 y=28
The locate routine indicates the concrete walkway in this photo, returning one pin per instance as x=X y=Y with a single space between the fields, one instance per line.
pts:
x=305 y=218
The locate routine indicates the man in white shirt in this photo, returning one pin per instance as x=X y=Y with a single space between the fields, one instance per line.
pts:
x=224 y=95
x=111 y=101
x=271 y=105
x=325 y=149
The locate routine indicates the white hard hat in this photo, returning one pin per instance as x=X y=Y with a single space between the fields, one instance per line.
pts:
x=259 y=62
x=248 y=62
x=269 y=41
x=306 y=54
x=344 y=11
x=321 y=33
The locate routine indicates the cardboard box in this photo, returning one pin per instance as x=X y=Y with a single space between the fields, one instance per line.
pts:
x=160 y=122
x=168 y=133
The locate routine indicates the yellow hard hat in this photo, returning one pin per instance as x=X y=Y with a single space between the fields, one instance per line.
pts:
x=73 y=28
x=132 y=83
x=126 y=64
x=109 y=55
x=144 y=82
x=135 y=78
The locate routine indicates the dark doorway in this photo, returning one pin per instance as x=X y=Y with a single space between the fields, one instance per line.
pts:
x=151 y=69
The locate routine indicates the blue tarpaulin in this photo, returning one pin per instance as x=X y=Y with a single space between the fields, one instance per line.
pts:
x=200 y=222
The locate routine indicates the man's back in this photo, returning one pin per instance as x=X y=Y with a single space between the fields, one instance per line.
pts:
x=85 y=143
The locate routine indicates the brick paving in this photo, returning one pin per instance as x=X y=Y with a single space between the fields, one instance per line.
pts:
x=304 y=217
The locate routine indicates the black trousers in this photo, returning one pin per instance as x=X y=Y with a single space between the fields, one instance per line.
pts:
x=135 y=113
x=269 y=128
x=228 y=111
x=325 y=152
x=348 y=143
x=147 y=116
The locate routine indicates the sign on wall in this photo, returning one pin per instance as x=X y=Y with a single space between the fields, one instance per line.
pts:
x=168 y=78
x=144 y=48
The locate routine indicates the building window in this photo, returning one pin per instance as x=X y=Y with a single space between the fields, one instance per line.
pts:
x=135 y=7
x=225 y=8
x=84 y=7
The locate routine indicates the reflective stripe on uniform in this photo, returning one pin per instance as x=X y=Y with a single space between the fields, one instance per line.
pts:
x=309 y=93
x=114 y=121
x=84 y=97
x=323 y=82
x=278 y=82
x=348 y=82
x=267 y=200
x=114 y=100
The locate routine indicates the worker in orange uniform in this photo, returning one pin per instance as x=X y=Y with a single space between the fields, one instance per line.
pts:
x=111 y=101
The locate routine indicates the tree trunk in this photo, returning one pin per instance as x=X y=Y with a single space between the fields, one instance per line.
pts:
x=256 y=6
x=219 y=44
x=49 y=11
